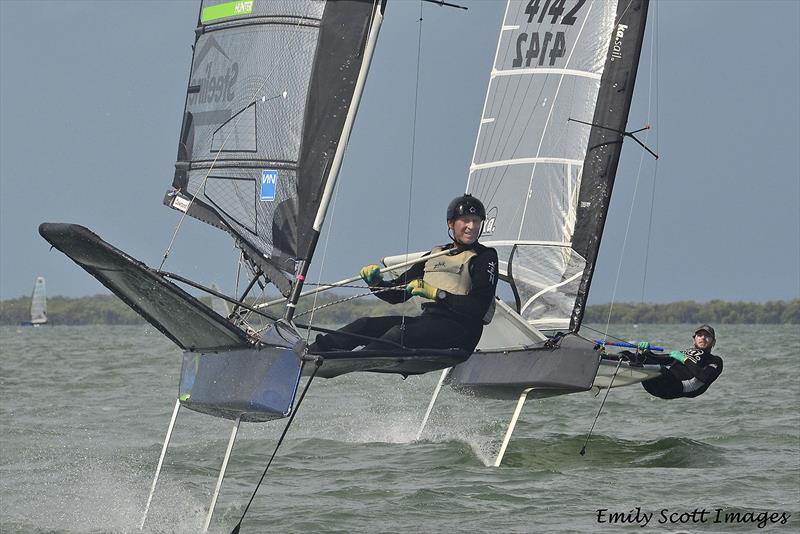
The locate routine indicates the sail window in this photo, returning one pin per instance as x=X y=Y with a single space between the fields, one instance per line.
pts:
x=237 y=134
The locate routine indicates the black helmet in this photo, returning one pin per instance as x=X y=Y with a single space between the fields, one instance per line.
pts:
x=465 y=205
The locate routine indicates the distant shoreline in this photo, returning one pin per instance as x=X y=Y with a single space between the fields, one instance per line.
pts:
x=108 y=309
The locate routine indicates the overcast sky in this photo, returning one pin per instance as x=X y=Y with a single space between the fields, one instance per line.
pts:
x=91 y=97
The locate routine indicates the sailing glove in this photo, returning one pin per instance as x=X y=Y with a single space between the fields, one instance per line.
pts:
x=678 y=355
x=418 y=288
x=644 y=345
x=371 y=274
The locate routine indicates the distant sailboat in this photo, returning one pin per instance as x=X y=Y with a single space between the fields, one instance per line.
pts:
x=219 y=305
x=38 y=304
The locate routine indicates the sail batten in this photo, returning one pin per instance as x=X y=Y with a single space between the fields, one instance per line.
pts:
x=541 y=72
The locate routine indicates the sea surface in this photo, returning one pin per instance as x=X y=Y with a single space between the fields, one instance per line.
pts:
x=85 y=411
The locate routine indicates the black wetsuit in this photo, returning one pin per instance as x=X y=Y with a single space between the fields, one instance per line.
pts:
x=688 y=379
x=455 y=321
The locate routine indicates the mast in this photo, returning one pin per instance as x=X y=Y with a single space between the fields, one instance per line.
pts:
x=341 y=143
x=605 y=140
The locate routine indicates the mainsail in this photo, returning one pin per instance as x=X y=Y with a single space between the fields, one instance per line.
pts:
x=271 y=88
x=39 y=302
x=549 y=142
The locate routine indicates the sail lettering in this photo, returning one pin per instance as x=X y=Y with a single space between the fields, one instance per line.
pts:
x=215 y=88
x=554 y=9
x=546 y=45
x=616 y=48
x=538 y=48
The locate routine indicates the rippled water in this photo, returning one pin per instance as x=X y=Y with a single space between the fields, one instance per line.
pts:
x=85 y=410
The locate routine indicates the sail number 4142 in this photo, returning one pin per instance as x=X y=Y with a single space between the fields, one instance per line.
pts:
x=550 y=45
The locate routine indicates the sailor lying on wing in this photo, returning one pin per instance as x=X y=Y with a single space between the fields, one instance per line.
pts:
x=686 y=373
x=460 y=287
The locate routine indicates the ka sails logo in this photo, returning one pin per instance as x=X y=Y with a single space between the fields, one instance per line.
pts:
x=218 y=74
x=490 y=224
x=616 y=48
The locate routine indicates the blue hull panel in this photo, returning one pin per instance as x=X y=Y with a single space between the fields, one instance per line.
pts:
x=254 y=384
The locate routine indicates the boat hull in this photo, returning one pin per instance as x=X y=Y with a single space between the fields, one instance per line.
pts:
x=254 y=384
x=545 y=372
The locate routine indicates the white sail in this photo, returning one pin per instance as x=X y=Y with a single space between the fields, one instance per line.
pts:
x=39 y=302
x=530 y=153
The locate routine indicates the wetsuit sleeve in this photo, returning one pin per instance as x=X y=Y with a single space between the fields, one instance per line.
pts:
x=483 y=273
x=399 y=295
x=704 y=373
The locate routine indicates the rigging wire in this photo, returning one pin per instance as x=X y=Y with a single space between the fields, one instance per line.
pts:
x=322 y=264
x=413 y=154
x=627 y=229
x=340 y=301
x=635 y=188
x=653 y=53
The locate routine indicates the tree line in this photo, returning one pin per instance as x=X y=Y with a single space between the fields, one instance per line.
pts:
x=108 y=309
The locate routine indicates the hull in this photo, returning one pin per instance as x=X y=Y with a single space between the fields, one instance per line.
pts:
x=625 y=376
x=253 y=384
x=568 y=368
x=405 y=363
x=575 y=365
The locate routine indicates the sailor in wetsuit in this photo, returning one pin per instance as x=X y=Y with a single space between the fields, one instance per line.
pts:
x=688 y=373
x=459 y=288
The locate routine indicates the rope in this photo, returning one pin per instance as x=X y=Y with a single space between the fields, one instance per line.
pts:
x=322 y=264
x=596 y=417
x=317 y=364
x=625 y=239
x=413 y=153
x=340 y=301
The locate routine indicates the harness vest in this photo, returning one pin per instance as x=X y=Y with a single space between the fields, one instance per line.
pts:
x=451 y=273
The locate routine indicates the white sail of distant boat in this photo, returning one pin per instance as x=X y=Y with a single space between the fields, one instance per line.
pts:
x=38 y=303
x=218 y=304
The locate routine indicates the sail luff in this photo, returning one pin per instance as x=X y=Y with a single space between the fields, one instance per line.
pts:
x=333 y=175
x=605 y=144
x=317 y=144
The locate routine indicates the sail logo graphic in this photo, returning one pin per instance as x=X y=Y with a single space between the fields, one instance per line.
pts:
x=217 y=78
x=269 y=179
x=616 y=48
x=490 y=224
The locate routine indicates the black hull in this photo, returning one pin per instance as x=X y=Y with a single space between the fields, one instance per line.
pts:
x=546 y=372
